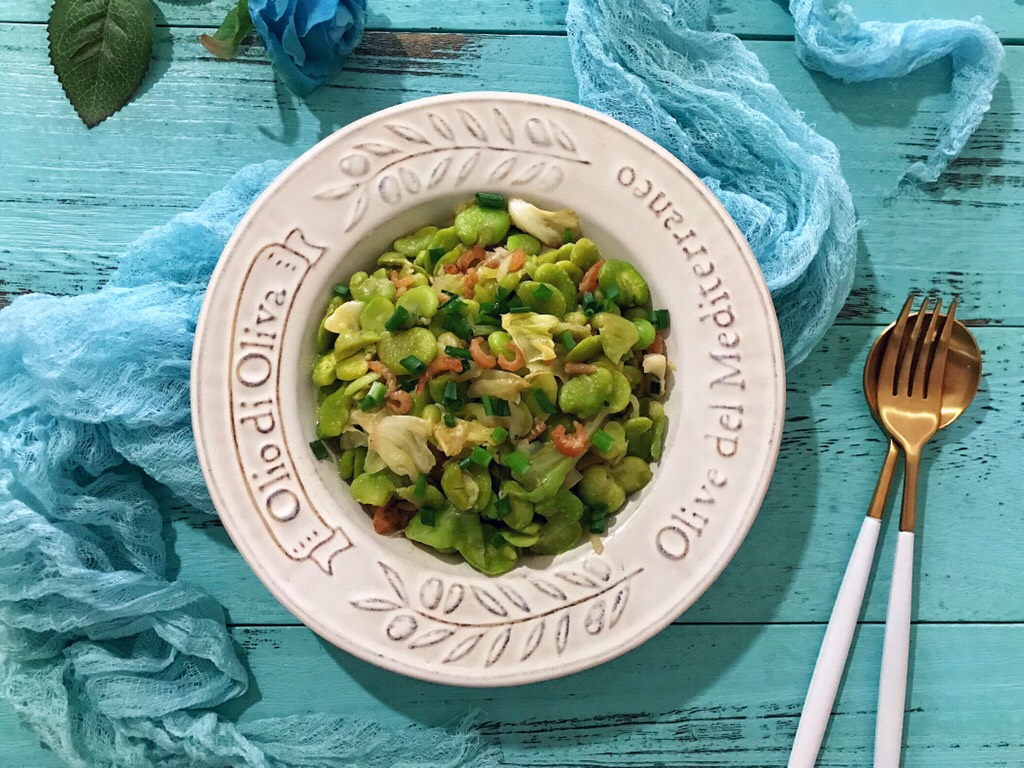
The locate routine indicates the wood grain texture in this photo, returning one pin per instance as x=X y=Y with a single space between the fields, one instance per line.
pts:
x=694 y=696
x=747 y=18
x=723 y=685
x=73 y=199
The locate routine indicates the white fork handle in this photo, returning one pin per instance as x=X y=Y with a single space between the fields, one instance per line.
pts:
x=892 y=687
x=828 y=670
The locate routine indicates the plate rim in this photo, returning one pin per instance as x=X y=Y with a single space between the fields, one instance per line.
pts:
x=237 y=533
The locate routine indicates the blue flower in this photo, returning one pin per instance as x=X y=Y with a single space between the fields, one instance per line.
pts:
x=308 y=39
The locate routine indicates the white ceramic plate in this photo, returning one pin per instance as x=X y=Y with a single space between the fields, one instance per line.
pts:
x=385 y=599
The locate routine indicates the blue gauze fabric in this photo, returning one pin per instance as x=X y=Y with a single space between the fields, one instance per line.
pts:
x=707 y=99
x=110 y=662
x=115 y=665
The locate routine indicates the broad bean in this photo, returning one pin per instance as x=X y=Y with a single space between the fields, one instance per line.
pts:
x=364 y=287
x=323 y=370
x=632 y=473
x=419 y=302
x=394 y=347
x=562 y=529
x=598 y=486
x=586 y=349
x=542 y=297
x=420 y=240
x=586 y=395
x=332 y=416
x=352 y=367
x=482 y=226
x=639 y=431
x=376 y=312
x=585 y=253
x=555 y=274
x=375 y=490
x=468 y=488
x=351 y=463
x=646 y=332
x=631 y=288
x=528 y=244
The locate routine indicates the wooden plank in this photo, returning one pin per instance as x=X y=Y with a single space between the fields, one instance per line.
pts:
x=73 y=199
x=747 y=18
x=789 y=568
x=692 y=696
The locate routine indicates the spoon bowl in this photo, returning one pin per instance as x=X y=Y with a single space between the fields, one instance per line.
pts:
x=960 y=380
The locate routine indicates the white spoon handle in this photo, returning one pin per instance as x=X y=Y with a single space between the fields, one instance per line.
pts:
x=892 y=688
x=828 y=670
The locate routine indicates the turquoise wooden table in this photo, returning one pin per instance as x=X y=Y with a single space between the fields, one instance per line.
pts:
x=723 y=685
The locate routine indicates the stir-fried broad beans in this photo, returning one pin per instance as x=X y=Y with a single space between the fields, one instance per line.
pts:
x=494 y=388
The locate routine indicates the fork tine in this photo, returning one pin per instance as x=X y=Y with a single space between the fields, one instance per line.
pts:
x=911 y=355
x=887 y=371
x=927 y=354
x=934 y=384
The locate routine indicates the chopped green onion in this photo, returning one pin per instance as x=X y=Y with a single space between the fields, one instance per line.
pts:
x=518 y=462
x=449 y=420
x=519 y=310
x=458 y=352
x=588 y=299
x=612 y=292
x=428 y=516
x=660 y=319
x=499 y=434
x=543 y=292
x=497 y=540
x=569 y=236
x=420 y=489
x=495 y=406
x=396 y=321
x=502 y=294
x=543 y=401
x=490 y=200
x=602 y=441
x=453 y=304
x=480 y=456
x=413 y=364
x=451 y=392
x=435 y=255
x=568 y=341
x=487 y=319
x=374 y=398
x=489 y=307
x=503 y=507
x=319 y=449
x=408 y=383
x=342 y=290
x=458 y=325
x=599 y=518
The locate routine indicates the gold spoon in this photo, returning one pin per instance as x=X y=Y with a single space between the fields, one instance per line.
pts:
x=960 y=382
x=961 y=377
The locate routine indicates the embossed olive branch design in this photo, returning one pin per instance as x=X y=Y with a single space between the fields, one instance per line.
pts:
x=547 y=146
x=466 y=635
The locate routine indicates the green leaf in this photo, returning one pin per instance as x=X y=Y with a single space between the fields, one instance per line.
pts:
x=100 y=50
x=237 y=26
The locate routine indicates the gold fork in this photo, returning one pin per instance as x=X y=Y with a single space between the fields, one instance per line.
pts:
x=910 y=407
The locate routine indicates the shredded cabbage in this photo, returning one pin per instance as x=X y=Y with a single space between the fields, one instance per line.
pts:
x=400 y=441
x=532 y=333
